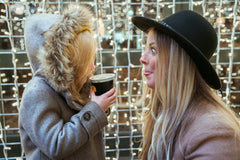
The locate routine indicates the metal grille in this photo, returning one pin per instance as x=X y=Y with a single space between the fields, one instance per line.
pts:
x=120 y=46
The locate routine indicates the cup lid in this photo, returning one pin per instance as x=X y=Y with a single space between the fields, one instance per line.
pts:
x=102 y=77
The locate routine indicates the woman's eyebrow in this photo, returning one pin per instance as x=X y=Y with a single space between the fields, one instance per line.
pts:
x=151 y=43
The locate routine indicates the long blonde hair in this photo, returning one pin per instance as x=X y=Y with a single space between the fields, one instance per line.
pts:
x=178 y=85
x=82 y=55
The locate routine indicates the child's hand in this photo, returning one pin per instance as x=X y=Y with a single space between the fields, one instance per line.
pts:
x=106 y=99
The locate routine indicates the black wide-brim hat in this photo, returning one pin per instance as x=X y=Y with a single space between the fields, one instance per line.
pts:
x=194 y=34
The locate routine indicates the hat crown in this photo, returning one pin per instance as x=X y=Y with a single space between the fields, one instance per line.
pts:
x=195 y=29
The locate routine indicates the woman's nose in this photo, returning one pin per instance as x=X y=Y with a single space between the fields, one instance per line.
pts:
x=143 y=59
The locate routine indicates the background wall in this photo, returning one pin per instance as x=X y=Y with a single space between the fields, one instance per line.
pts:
x=119 y=46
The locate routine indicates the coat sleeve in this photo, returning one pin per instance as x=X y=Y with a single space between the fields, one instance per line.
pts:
x=40 y=116
x=212 y=139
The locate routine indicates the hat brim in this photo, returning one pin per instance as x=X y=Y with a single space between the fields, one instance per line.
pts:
x=205 y=68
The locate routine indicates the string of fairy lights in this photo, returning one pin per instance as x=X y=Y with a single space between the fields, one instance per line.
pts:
x=120 y=46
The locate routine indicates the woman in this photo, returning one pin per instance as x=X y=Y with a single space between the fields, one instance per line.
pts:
x=186 y=119
x=58 y=120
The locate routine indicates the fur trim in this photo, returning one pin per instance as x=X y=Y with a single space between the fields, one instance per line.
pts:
x=55 y=62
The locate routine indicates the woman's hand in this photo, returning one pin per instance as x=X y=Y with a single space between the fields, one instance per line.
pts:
x=106 y=99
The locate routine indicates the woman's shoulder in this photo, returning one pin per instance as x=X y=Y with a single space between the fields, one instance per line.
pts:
x=209 y=120
x=211 y=133
x=209 y=117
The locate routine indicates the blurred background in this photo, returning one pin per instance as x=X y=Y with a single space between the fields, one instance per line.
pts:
x=120 y=46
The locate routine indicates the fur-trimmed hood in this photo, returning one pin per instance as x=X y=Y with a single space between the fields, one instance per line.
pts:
x=47 y=38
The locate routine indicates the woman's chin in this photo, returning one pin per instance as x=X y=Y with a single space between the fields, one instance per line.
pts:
x=151 y=85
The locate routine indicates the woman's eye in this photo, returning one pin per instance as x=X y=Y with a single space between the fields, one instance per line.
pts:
x=153 y=50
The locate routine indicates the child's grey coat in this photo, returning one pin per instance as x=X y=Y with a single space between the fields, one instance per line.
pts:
x=51 y=130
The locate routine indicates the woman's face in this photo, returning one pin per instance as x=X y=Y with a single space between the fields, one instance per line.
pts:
x=149 y=59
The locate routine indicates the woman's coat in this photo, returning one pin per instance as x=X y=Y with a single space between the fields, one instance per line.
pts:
x=208 y=136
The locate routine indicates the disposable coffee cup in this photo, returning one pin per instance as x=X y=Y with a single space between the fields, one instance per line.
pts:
x=102 y=83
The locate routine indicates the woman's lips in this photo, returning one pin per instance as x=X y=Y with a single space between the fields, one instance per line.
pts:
x=147 y=73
